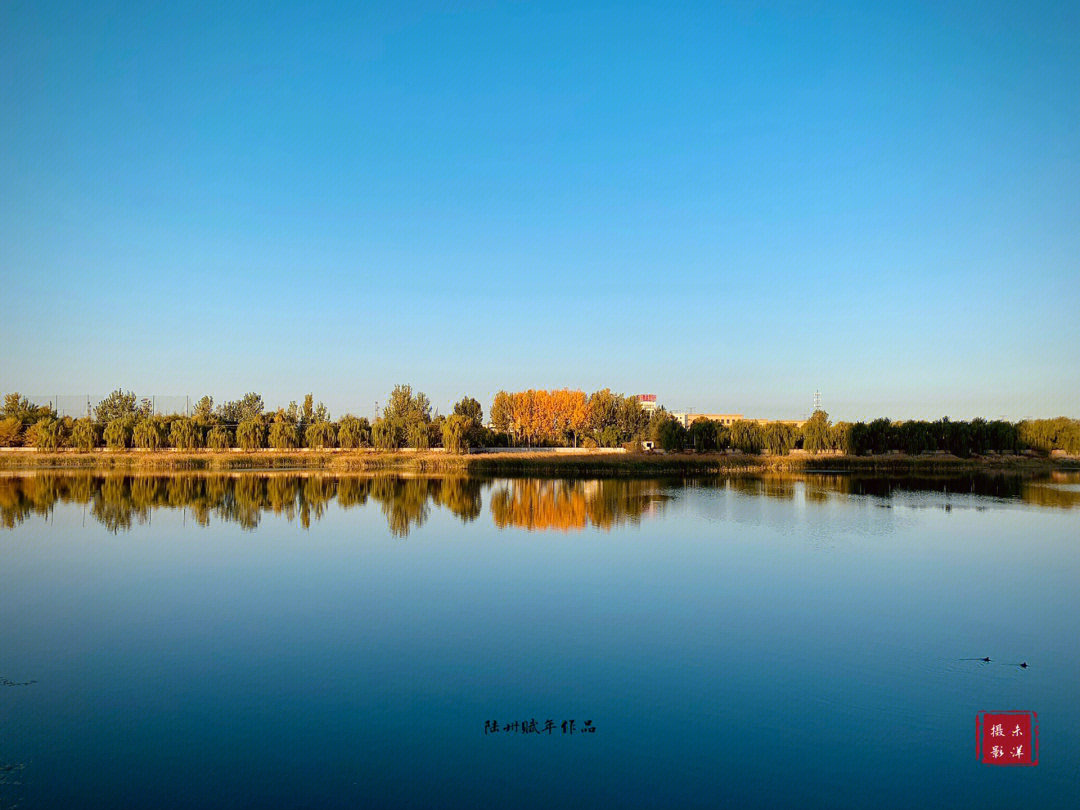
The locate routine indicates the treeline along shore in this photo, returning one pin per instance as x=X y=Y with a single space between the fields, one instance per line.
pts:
x=549 y=432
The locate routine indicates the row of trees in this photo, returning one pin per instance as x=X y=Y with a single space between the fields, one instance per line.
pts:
x=522 y=418
x=121 y=421
x=818 y=434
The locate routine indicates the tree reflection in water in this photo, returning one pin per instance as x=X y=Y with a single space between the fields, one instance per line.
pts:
x=118 y=501
x=567 y=505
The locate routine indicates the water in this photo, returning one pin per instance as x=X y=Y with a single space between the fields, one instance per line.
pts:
x=308 y=641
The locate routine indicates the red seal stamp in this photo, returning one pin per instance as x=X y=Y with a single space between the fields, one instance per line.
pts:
x=1007 y=738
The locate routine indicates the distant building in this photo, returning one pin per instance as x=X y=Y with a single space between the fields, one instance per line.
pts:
x=647 y=402
x=687 y=419
x=650 y=405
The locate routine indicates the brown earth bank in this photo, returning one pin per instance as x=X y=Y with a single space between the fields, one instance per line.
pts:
x=526 y=463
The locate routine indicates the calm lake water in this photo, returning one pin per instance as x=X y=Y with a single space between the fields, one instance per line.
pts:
x=301 y=640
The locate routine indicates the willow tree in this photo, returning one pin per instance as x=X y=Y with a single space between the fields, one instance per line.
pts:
x=815 y=432
x=184 y=435
x=250 y=434
x=746 y=436
x=455 y=433
x=217 y=438
x=383 y=435
x=84 y=435
x=283 y=433
x=419 y=438
x=320 y=435
x=779 y=438
x=147 y=435
x=48 y=433
x=353 y=432
x=118 y=433
x=471 y=410
x=841 y=438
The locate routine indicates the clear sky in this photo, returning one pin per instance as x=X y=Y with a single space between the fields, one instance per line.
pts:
x=727 y=205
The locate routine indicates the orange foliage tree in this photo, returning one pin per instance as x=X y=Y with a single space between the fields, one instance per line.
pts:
x=544 y=417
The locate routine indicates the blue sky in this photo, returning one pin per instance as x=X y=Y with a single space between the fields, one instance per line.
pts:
x=727 y=206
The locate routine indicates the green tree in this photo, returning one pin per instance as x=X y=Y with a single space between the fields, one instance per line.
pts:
x=608 y=437
x=118 y=432
x=409 y=415
x=779 y=438
x=117 y=405
x=406 y=406
x=19 y=407
x=184 y=434
x=670 y=434
x=217 y=438
x=320 y=435
x=354 y=432
x=915 y=437
x=384 y=436
x=815 y=432
x=502 y=409
x=203 y=414
x=746 y=436
x=702 y=435
x=419 y=436
x=16 y=407
x=1004 y=436
x=235 y=412
x=630 y=418
x=283 y=432
x=84 y=435
x=148 y=434
x=455 y=433
x=858 y=439
x=470 y=409
x=434 y=430
x=48 y=433
x=250 y=434
x=475 y=432
x=879 y=434
x=840 y=437
x=603 y=413
x=307 y=416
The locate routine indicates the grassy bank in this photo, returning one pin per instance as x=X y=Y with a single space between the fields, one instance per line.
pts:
x=533 y=463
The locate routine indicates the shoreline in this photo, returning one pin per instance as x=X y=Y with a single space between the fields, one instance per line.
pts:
x=532 y=462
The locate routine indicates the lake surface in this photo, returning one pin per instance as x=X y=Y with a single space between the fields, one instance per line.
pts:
x=304 y=640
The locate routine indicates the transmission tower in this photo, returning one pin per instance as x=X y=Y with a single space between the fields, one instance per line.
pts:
x=817 y=401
